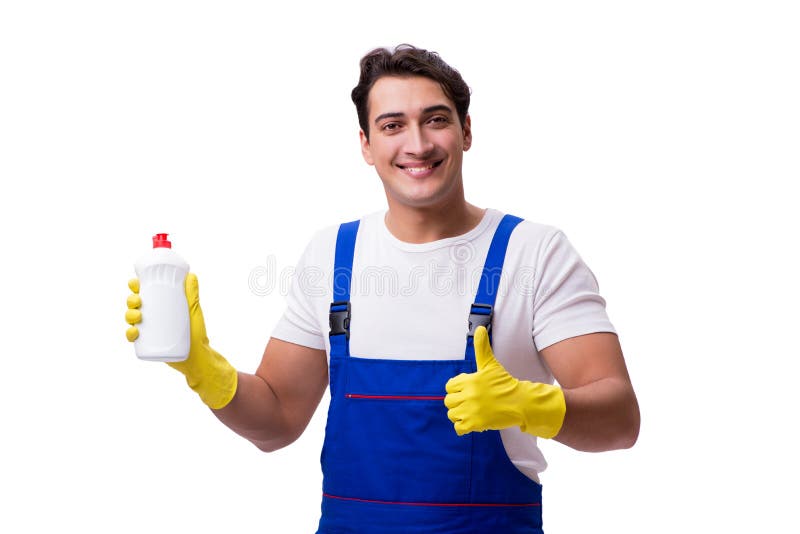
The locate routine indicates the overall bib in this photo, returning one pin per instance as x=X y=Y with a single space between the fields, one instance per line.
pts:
x=391 y=461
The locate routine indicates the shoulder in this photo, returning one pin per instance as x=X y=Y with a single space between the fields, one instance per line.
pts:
x=533 y=239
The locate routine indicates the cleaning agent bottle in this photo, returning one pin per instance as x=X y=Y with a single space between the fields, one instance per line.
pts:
x=164 y=334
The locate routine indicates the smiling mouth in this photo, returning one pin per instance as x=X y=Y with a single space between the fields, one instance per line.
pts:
x=420 y=169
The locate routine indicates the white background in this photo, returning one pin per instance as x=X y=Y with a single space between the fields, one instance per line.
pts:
x=662 y=137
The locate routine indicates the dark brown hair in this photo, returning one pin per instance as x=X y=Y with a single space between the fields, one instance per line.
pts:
x=408 y=60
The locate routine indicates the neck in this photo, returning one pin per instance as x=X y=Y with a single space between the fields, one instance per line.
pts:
x=426 y=224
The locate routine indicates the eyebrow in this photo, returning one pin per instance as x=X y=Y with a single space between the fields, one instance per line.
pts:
x=430 y=109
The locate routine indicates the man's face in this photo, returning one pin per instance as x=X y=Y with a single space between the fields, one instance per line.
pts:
x=416 y=141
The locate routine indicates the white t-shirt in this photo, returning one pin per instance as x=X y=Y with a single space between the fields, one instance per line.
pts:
x=417 y=299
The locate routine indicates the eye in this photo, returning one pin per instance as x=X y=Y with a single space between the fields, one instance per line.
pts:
x=439 y=120
x=390 y=126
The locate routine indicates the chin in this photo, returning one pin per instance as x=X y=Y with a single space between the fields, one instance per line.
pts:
x=419 y=202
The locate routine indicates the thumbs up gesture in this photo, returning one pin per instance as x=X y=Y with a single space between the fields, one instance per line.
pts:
x=492 y=399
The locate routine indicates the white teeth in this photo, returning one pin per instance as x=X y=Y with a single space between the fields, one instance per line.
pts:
x=419 y=169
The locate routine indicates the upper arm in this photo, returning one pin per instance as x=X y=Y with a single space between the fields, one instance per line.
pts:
x=298 y=376
x=581 y=360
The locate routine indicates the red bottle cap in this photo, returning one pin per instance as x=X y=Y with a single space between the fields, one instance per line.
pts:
x=160 y=241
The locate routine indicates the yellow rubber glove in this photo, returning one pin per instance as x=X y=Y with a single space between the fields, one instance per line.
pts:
x=206 y=371
x=492 y=399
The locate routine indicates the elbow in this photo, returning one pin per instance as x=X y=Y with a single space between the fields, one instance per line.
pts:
x=269 y=446
x=622 y=431
x=628 y=440
x=275 y=443
x=266 y=446
x=629 y=434
x=605 y=425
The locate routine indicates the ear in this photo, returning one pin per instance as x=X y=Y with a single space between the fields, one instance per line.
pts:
x=366 y=149
x=467 y=133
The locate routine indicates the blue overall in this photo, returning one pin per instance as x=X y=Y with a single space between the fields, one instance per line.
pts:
x=392 y=461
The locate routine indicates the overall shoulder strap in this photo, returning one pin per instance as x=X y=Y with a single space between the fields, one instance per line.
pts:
x=339 y=317
x=481 y=312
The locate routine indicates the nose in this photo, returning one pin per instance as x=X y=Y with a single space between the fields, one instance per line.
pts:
x=417 y=142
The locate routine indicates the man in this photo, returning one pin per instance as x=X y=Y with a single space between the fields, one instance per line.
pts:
x=441 y=387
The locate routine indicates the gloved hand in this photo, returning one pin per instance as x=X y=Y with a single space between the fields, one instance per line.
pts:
x=492 y=399
x=206 y=371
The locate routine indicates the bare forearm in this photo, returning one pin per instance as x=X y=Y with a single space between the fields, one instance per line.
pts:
x=600 y=416
x=255 y=414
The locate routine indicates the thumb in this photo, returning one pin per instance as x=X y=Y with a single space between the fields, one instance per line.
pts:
x=483 y=350
x=192 y=292
x=196 y=320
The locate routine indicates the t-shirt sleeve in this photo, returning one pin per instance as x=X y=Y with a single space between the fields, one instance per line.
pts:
x=299 y=323
x=567 y=302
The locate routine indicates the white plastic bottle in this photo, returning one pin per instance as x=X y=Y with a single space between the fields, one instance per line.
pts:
x=164 y=334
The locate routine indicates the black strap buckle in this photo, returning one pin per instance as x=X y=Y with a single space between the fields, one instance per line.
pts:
x=480 y=315
x=339 y=319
